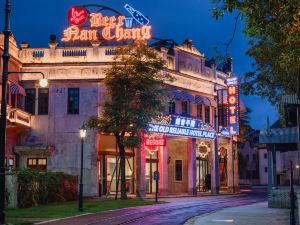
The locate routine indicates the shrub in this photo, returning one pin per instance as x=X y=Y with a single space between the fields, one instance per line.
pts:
x=37 y=187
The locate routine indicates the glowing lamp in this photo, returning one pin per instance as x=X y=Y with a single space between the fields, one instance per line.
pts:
x=43 y=82
x=82 y=133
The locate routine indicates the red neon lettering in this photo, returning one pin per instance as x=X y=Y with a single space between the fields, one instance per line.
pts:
x=232 y=109
x=231 y=90
x=232 y=100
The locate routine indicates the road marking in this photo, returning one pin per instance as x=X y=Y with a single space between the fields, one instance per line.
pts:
x=223 y=221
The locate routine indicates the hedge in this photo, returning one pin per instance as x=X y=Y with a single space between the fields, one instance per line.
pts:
x=37 y=187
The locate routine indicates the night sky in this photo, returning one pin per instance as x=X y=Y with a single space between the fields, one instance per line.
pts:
x=34 y=20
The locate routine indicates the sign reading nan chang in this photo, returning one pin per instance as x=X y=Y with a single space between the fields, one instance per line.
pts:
x=109 y=28
x=233 y=105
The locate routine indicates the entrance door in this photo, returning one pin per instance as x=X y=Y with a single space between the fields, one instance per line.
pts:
x=203 y=177
x=151 y=166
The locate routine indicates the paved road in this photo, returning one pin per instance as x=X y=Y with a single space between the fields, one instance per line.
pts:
x=175 y=213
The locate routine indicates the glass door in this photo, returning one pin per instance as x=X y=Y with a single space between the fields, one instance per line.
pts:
x=151 y=166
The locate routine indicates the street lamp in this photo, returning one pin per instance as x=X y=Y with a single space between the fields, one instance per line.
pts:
x=5 y=73
x=5 y=56
x=82 y=134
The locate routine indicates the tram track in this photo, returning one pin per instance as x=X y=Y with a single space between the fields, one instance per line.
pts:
x=204 y=207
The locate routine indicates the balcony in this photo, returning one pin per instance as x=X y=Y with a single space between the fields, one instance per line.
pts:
x=18 y=117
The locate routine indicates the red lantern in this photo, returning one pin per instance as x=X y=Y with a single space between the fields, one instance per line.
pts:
x=51 y=149
x=77 y=15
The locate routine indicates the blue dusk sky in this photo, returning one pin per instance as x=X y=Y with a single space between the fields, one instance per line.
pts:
x=34 y=20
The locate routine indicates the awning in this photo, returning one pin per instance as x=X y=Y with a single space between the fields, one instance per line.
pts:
x=290 y=100
x=201 y=100
x=181 y=95
x=16 y=89
x=278 y=136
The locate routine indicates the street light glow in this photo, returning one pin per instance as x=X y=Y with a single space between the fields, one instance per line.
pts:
x=82 y=133
x=43 y=82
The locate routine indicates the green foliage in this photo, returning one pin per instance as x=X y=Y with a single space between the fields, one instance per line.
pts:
x=244 y=122
x=7 y=195
x=273 y=29
x=38 y=187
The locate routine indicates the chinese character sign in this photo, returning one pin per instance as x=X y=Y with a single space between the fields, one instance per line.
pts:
x=92 y=27
x=233 y=105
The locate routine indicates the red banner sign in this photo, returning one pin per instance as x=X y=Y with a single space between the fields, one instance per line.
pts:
x=155 y=142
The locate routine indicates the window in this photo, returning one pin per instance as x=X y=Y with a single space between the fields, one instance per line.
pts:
x=247 y=157
x=178 y=170
x=172 y=107
x=266 y=169
x=207 y=114
x=73 y=101
x=199 y=111
x=265 y=155
x=30 y=100
x=222 y=117
x=254 y=157
x=185 y=108
x=43 y=101
x=37 y=163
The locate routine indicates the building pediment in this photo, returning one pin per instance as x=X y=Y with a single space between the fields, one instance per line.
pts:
x=188 y=47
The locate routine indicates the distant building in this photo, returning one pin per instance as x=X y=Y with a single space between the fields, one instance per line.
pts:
x=277 y=148
x=249 y=159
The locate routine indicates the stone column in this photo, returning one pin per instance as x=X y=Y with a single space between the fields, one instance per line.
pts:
x=215 y=179
x=163 y=171
x=191 y=149
x=140 y=172
x=230 y=166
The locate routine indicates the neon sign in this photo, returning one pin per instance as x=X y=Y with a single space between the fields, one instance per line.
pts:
x=233 y=105
x=109 y=28
x=155 y=142
x=137 y=16
x=180 y=131
x=77 y=15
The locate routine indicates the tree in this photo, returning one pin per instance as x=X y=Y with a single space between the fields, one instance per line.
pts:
x=135 y=85
x=245 y=127
x=273 y=29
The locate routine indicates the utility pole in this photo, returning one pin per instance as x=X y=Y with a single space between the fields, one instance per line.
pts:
x=5 y=57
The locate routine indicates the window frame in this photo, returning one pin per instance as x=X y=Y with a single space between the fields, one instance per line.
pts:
x=30 y=102
x=199 y=111
x=172 y=107
x=71 y=103
x=175 y=170
x=36 y=165
x=205 y=116
x=40 y=102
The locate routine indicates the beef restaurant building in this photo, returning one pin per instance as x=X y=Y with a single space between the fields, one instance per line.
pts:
x=193 y=145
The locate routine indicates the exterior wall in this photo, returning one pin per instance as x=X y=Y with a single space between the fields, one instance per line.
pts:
x=86 y=72
x=263 y=163
x=251 y=174
x=177 y=150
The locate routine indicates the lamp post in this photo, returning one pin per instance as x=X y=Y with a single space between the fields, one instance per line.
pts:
x=5 y=57
x=82 y=134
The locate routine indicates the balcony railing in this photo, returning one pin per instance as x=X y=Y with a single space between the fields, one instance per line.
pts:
x=18 y=116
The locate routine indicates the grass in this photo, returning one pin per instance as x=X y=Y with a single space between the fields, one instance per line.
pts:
x=60 y=210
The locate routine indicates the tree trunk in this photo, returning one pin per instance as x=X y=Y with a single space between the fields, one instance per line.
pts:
x=122 y=168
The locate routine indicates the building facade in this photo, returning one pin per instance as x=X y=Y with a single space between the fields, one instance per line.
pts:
x=190 y=145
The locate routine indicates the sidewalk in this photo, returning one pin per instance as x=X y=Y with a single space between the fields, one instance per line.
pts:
x=256 y=214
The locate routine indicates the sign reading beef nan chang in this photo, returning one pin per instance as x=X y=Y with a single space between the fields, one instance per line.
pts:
x=102 y=27
x=180 y=131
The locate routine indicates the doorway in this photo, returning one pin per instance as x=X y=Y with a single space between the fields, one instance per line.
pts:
x=151 y=166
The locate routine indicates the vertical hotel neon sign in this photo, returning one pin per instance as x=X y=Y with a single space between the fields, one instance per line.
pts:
x=233 y=105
